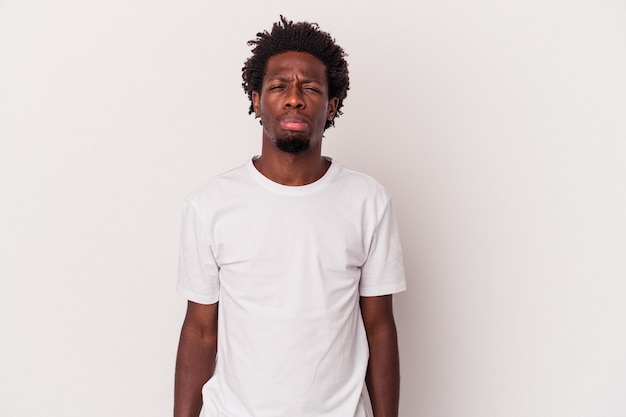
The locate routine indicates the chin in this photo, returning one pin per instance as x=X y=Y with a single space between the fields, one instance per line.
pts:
x=292 y=145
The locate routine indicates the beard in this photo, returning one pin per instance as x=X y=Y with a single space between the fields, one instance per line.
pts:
x=292 y=145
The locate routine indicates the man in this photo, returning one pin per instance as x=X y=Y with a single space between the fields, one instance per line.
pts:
x=289 y=261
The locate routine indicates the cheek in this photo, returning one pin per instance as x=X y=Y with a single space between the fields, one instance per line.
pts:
x=263 y=107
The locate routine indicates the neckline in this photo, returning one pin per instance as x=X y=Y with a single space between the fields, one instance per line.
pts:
x=293 y=189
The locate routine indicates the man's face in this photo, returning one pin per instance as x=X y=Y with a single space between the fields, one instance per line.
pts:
x=293 y=103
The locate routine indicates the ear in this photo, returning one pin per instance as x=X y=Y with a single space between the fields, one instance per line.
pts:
x=256 y=100
x=332 y=108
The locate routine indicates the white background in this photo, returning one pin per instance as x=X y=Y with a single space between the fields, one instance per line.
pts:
x=499 y=128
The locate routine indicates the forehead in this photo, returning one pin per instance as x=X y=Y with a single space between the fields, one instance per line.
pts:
x=293 y=63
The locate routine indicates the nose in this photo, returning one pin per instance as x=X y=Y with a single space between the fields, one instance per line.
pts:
x=294 y=98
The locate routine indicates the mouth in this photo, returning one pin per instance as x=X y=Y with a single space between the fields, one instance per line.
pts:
x=293 y=124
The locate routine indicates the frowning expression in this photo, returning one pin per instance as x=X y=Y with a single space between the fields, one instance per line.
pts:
x=293 y=103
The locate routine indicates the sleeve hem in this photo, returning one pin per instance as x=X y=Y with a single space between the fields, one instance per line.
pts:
x=197 y=298
x=386 y=290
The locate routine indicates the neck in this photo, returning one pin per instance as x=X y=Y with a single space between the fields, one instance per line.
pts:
x=292 y=169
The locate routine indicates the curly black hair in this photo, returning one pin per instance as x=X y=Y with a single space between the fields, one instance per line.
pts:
x=300 y=37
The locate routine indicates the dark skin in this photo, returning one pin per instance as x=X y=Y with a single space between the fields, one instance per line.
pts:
x=195 y=361
x=383 y=369
x=293 y=104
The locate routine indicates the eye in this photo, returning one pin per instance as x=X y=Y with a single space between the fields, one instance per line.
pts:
x=312 y=88
x=276 y=87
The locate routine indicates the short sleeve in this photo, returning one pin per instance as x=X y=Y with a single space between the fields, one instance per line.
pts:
x=383 y=271
x=198 y=273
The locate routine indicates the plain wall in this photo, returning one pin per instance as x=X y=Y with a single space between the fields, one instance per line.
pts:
x=498 y=127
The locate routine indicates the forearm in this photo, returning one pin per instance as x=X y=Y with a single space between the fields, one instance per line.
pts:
x=383 y=372
x=195 y=363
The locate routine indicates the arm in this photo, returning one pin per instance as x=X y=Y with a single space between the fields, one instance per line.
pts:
x=195 y=361
x=383 y=370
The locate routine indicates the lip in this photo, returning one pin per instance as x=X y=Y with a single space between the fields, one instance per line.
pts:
x=293 y=123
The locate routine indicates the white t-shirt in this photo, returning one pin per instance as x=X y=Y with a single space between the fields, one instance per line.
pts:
x=287 y=265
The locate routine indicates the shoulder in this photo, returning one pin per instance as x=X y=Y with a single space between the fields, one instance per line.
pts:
x=358 y=183
x=221 y=187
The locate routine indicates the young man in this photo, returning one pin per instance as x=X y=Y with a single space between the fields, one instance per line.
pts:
x=289 y=261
